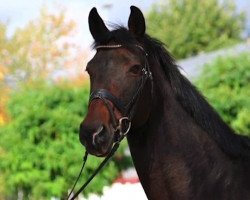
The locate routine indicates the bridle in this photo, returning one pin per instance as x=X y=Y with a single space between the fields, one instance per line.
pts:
x=123 y=125
x=127 y=110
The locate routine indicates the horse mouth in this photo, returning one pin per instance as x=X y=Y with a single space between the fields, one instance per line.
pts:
x=103 y=154
x=99 y=152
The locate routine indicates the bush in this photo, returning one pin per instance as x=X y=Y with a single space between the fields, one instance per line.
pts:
x=189 y=27
x=42 y=153
x=225 y=83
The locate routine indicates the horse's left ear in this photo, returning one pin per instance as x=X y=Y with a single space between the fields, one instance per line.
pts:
x=96 y=25
x=136 y=22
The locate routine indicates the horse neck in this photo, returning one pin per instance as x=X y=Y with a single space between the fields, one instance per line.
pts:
x=171 y=145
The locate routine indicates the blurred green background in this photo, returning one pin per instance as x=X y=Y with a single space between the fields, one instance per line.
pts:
x=44 y=90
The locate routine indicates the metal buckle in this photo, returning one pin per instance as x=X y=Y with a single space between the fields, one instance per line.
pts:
x=123 y=126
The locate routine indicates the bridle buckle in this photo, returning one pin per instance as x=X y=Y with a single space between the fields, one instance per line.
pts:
x=123 y=127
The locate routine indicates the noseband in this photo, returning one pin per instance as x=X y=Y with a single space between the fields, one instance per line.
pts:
x=122 y=127
x=127 y=110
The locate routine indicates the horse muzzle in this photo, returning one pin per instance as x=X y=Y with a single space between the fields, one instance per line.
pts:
x=98 y=140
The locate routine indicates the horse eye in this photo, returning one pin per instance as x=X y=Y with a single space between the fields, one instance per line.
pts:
x=136 y=69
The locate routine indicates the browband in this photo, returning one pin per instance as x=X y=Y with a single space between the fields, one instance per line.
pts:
x=113 y=46
x=108 y=46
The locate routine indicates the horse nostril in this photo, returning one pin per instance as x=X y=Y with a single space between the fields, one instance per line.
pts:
x=98 y=136
x=84 y=132
x=91 y=135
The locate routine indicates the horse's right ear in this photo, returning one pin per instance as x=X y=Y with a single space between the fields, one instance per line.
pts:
x=136 y=22
x=96 y=25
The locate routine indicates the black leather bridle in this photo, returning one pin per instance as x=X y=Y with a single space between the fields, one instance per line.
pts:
x=127 y=110
x=123 y=125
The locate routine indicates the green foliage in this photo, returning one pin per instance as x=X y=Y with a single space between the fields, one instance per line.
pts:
x=3 y=37
x=42 y=153
x=226 y=84
x=189 y=27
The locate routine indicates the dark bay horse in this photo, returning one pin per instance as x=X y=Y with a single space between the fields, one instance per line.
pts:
x=180 y=147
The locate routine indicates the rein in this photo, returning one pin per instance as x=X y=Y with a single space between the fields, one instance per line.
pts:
x=122 y=127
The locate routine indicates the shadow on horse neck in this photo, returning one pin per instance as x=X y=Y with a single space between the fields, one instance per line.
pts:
x=185 y=150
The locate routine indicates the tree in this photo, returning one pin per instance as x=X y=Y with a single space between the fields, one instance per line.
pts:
x=3 y=73
x=37 y=51
x=189 y=27
x=3 y=96
x=225 y=82
x=42 y=150
x=42 y=47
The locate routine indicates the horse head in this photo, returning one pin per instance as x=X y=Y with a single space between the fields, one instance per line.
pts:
x=119 y=83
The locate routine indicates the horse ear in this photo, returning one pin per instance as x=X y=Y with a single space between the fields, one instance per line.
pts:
x=96 y=25
x=136 y=22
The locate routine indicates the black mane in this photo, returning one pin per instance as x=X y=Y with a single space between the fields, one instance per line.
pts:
x=186 y=94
